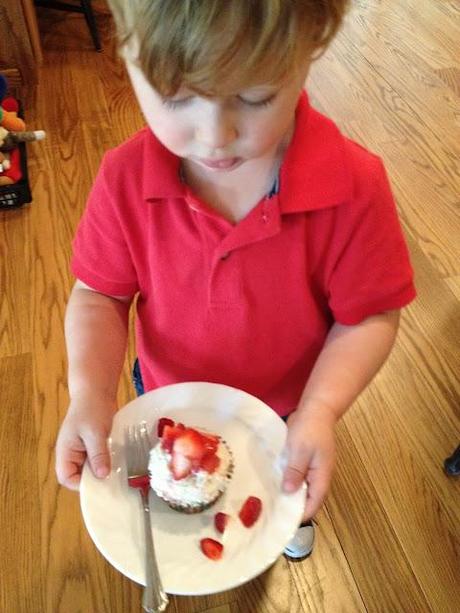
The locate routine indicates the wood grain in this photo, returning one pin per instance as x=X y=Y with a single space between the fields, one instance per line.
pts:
x=388 y=537
x=22 y=588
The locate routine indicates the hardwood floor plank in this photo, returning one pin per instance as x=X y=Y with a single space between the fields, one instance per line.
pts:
x=454 y=285
x=404 y=426
x=223 y=609
x=403 y=21
x=423 y=163
x=272 y=592
x=437 y=26
x=22 y=584
x=397 y=62
x=384 y=575
x=451 y=77
x=324 y=581
x=428 y=211
x=15 y=297
x=397 y=112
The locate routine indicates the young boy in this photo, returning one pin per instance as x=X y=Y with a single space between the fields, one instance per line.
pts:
x=262 y=245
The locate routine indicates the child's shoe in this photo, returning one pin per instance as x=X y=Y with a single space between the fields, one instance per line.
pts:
x=301 y=545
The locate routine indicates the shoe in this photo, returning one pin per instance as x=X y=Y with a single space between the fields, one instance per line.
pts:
x=452 y=464
x=301 y=545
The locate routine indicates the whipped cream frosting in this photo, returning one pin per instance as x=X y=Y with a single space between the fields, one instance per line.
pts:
x=198 y=488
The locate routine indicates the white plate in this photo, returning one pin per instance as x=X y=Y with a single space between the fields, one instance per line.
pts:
x=256 y=435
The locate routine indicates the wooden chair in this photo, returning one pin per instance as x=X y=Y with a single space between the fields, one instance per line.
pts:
x=84 y=7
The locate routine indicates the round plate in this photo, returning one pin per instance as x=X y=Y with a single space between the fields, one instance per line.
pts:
x=256 y=436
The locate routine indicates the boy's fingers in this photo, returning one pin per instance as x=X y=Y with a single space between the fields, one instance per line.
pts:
x=71 y=476
x=317 y=487
x=98 y=456
x=68 y=472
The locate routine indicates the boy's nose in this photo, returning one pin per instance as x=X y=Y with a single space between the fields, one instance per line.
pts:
x=216 y=130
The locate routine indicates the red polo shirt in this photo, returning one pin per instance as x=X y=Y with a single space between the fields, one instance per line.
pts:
x=248 y=305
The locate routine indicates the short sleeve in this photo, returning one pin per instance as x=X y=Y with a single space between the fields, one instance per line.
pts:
x=101 y=255
x=371 y=270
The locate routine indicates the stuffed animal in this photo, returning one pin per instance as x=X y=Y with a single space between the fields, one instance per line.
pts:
x=10 y=168
x=12 y=132
x=9 y=109
x=10 y=120
x=5 y=163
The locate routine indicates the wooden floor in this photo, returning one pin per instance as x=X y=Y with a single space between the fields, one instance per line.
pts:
x=388 y=538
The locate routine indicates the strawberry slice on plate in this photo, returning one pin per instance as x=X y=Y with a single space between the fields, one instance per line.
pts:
x=220 y=521
x=211 y=548
x=250 y=511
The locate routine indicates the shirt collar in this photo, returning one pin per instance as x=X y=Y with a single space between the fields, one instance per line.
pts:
x=160 y=171
x=314 y=168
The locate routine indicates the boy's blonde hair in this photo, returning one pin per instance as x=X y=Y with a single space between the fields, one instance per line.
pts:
x=224 y=46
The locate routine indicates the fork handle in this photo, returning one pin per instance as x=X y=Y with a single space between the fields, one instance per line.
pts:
x=154 y=598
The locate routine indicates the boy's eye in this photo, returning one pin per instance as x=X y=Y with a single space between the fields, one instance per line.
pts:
x=172 y=103
x=175 y=103
x=259 y=103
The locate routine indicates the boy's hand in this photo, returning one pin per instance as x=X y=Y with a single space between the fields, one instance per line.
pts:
x=310 y=447
x=83 y=434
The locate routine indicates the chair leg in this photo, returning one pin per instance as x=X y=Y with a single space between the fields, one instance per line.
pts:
x=91 y=21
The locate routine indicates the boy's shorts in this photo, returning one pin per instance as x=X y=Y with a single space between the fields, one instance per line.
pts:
x=137 y=378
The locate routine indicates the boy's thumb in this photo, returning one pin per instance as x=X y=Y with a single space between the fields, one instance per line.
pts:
x=98 y=457
x=292 y=479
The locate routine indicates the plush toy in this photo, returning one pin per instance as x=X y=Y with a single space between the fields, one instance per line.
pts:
x=9 y=113
x=5 y=163
x=12 y=132
x=11 y=164
x=9 y=109
x=10 y=120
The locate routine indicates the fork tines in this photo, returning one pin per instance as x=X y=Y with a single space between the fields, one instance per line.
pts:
x=137 y=447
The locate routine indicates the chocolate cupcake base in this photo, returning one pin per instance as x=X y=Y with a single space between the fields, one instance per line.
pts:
x=191 y=509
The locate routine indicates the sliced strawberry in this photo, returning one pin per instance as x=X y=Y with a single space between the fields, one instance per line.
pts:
x=210 y=445
x=180 y=466
x=211 y=548
x=162 y=422
x=211 y=442
x=250 y=511
x=210 y=463
x=220 y=521
x=190 y=444
x=170 y=433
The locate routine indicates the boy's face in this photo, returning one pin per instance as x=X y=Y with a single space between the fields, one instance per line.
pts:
x=220 y=134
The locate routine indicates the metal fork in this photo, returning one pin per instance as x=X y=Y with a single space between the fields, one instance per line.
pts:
x=137 y=446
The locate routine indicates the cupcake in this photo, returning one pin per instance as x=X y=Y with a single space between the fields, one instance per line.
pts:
x=189 y=468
